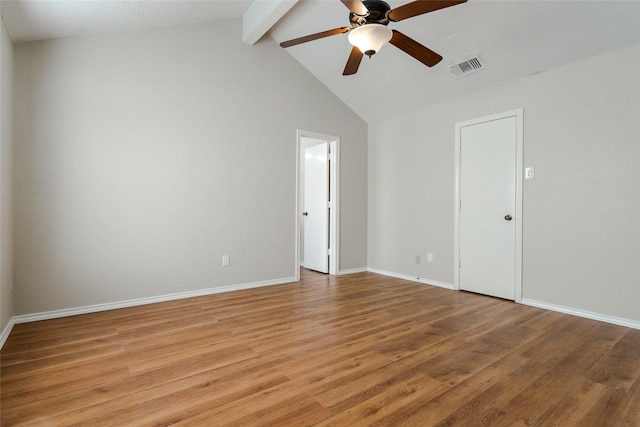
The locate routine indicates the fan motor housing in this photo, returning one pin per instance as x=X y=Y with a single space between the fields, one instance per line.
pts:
x=378 y=11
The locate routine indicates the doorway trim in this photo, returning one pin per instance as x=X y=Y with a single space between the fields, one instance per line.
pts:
x=518 y=114
x=334 y=195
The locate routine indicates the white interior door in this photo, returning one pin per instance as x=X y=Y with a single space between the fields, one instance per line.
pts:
x=487 y=216
x=316 y=207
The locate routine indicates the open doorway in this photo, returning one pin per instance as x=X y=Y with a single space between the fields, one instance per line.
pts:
x=317 y=227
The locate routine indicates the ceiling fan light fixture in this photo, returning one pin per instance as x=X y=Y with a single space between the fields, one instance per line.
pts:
x=369 y=38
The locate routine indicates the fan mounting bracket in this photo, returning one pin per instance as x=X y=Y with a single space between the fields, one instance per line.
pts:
x=378 y=14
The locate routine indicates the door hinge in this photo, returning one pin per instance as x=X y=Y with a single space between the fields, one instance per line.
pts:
x=328 y=252
x=329 y=204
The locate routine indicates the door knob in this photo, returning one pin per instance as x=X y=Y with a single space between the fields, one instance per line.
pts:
x=305 y=213
x=508 y=217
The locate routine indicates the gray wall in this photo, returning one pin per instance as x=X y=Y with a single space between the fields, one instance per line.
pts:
x=581 y=242
x=143 y=157
x=6 y=178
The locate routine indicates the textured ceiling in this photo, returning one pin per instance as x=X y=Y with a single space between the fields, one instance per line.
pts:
x=514 y=38
x=29 y=20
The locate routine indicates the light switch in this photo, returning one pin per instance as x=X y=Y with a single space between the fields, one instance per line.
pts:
x=529 y=173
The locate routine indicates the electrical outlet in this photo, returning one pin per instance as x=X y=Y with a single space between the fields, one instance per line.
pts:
x=418 y=259
x=225 y=260
x=529 y=173
x=430 y=257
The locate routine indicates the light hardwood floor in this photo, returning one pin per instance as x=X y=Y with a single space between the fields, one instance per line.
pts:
x=361 y=349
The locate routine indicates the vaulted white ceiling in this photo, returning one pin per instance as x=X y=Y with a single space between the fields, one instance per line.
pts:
x=29 y=20
x=513 y=38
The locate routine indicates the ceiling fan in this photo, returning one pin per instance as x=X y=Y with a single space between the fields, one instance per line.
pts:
x=369 y=31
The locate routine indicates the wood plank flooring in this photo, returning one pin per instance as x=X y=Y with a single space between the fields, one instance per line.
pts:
x=355 y=350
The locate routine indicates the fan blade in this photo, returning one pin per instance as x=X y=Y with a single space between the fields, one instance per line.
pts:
x=419 y=7
x=356 y=6
x=353 y=62
x=315 y=36
x=415 y=49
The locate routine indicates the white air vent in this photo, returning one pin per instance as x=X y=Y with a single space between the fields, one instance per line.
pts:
x=465 y=67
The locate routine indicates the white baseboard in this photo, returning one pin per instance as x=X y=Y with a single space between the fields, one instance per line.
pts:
x=353 y=270
x=422 y=280
x=6 y=331
x=629 y=323
x=583 y=313
x=169 y=297
x=142 y=301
